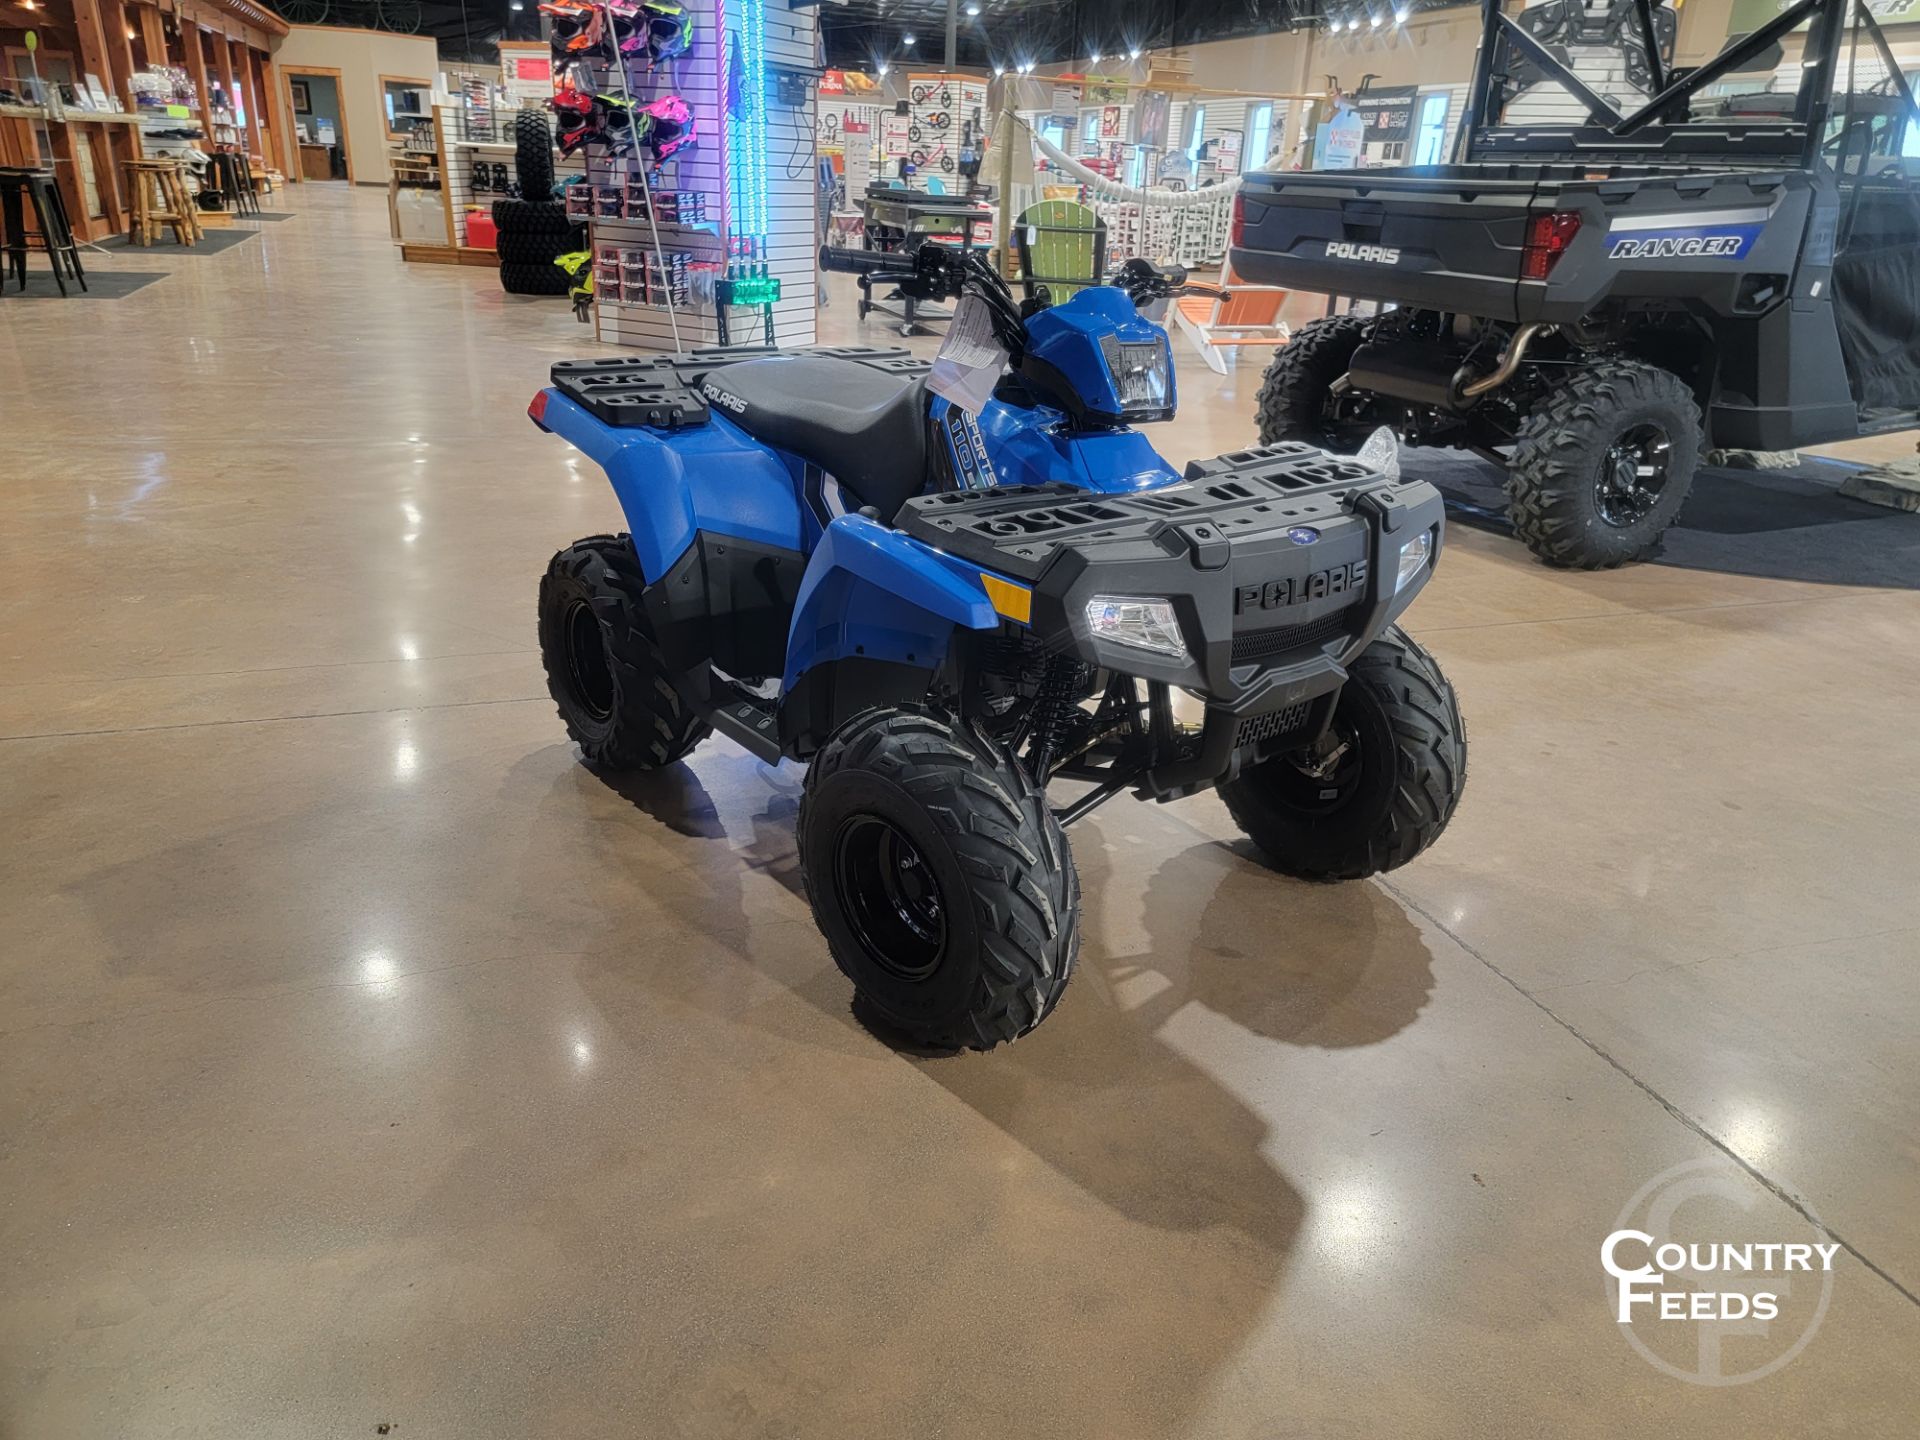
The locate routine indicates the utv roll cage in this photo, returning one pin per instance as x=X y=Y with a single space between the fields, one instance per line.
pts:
x=1661 y=127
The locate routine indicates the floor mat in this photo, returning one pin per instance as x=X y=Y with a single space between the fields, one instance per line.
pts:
x=101 y=285
x=213 y=242
x=1784 y=524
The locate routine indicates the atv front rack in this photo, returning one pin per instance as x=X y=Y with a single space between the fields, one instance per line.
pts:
x=663 y=391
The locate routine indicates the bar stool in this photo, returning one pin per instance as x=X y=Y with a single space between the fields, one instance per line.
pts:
x=247 y=195
x=159 y=198
x=17 y=184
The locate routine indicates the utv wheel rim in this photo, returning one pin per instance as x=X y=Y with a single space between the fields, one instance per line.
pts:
x=587 y=661
x=891 y=900
x=1633 y=475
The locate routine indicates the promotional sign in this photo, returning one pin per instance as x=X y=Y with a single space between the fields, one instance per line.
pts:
x=1110 y=123
x=1152 y=116
x=1341 y=140
x=1387 y=111
x=834 y=82
x=1226 y=154
x=532 y=67
x=1103 y=90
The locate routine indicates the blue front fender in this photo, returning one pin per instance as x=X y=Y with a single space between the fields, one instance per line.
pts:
x=874 y=592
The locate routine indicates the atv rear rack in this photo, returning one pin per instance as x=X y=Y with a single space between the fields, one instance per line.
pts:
x=663 y=391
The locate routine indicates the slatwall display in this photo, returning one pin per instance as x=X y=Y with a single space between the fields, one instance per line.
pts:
x=696 y=253
x=462 y=158
x=933 y=145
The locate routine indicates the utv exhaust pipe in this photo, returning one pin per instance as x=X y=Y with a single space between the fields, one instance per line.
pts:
x=1510 y=359
x=1429 y=373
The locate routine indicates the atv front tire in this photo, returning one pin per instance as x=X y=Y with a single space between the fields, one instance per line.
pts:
x=939 y=877
x=1380 y=799
x=1295 y=391
x=1602 y=465
x=604 y=670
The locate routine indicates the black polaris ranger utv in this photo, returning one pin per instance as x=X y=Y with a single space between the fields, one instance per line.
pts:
x=1607 y=284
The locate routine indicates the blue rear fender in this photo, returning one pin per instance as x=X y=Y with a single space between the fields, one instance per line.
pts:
x=712 y=477
x=873 y=593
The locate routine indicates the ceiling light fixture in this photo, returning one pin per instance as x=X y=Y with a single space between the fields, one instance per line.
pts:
x=1400 y=16
x=973 y=9
x=1373 y=21
x=1133 y=54
x=881 y=68
x=906 y=40
x=1094 y=59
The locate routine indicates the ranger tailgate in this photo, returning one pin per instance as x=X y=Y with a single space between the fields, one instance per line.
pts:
x=1441 y=237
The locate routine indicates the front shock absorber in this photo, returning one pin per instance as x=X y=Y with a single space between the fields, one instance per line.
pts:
x=1054 y=713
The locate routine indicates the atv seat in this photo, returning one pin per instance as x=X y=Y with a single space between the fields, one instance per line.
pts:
x=864 y=427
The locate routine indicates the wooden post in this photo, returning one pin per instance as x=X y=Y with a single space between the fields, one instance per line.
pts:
x=196 y=49
x=223 y=62
x=245 y=75
x=119 y=32
x=96 y=58
x=284 y=150
x=153 y=34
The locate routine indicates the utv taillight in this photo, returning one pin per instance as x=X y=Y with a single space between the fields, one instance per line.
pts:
x=1238 y=237
x=1548 y=237
x=537 y=410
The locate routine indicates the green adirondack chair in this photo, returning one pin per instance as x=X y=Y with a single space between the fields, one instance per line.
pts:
x=1063 y=245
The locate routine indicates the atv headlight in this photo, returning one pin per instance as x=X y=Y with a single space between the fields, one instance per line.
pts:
x=1140 y=371
x=1144 y=624
x=1413 y=555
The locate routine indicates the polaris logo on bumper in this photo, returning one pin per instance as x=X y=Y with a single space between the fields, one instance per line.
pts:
x=1348 y=250
x=1347 y=579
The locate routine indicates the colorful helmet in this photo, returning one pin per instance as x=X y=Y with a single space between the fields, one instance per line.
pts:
x=670 y=127
x=577 y=29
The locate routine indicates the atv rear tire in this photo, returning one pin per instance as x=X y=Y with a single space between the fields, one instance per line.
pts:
x=1295 y=390
x=533 y=154
x=1387 y=796
x=604 y=670
x=1602 y=465
x=941 y=880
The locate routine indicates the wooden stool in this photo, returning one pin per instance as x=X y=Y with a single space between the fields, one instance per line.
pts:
x=159 y=198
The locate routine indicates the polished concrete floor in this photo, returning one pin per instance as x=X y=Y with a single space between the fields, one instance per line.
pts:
x=367 y=1062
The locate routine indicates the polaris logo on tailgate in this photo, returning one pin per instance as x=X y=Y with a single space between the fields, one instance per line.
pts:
x=1348 y=250
x=1348 y=579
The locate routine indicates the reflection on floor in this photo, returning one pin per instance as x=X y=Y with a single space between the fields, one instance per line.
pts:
x=370 y=1063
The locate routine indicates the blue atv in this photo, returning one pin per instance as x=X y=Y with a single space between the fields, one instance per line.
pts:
x=945 y=613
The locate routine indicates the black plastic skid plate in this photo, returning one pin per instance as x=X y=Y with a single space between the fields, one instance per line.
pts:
x=663 y=391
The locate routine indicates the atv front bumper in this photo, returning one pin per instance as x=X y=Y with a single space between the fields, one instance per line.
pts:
x=1280 y=564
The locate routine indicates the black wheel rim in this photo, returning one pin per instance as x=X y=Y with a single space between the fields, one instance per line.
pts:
x=587 y=661
x=1633 y=474
x=890 y=897
x=1309 y=786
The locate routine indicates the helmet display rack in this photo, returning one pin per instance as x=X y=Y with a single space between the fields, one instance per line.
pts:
x=667 y=232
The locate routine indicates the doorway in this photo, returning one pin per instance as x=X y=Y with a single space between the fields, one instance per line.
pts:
x=317 y=104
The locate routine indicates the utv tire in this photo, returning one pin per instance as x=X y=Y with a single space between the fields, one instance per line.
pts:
x=533 y=155
x=532 y=217
x=544 y=279
x=1602 y=465
x=1387 y=797
x=604 y=670
x=941 y=880
x=1294 y=391
x=520 y=249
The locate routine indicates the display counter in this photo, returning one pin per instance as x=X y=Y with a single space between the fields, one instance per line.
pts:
x=84 y=149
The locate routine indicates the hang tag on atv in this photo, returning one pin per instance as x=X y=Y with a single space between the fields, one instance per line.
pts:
x=970 y=359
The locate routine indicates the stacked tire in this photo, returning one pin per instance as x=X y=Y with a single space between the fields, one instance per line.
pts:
x=534 y=231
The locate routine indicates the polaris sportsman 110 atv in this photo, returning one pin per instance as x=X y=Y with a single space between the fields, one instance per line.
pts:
x=943 y=612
